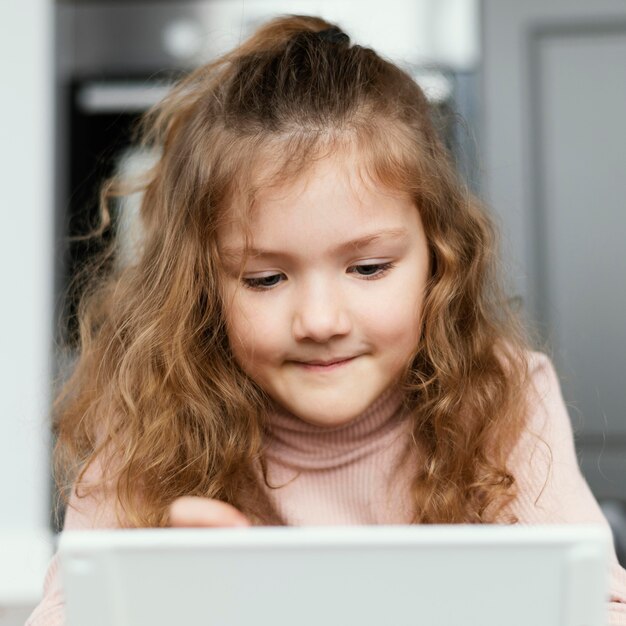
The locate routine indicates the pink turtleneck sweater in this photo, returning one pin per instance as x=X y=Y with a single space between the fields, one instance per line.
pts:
x=348 y=475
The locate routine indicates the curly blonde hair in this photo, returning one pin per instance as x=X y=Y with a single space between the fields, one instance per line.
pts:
x=156 y=396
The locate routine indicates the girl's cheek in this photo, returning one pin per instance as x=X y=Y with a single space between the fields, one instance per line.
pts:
x=254 y=327
x=400 y=322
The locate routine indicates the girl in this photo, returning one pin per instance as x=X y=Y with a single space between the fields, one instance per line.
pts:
x=312 y=331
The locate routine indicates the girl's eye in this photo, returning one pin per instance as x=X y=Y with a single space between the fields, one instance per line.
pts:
x=366 y=271
x=263 y=282
x=370 y=271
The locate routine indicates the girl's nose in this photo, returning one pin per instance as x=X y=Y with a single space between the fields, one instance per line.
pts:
x=320 y=314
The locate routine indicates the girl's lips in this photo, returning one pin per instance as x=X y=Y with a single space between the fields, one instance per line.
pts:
x=323 y=367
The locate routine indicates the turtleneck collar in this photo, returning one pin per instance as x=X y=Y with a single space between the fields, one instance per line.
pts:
x=295 y=443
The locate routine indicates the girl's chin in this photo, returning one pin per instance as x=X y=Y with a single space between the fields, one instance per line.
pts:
x=328 y=417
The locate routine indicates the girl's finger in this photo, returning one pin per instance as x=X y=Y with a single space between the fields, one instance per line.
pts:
x=195 y=512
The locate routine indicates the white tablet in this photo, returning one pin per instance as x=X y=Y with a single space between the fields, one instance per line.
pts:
x=338 y=576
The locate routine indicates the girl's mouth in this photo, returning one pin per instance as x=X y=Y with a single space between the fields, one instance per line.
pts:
x=324 y=366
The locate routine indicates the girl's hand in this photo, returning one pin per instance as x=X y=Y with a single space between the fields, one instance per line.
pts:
x=195 y=512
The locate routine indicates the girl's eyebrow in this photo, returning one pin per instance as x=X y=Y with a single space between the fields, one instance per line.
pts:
x=236 y=254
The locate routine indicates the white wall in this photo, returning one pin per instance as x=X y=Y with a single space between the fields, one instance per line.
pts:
x=412 y=31
x=26 y=209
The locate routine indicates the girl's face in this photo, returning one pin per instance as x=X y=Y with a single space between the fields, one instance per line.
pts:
x=327 y=314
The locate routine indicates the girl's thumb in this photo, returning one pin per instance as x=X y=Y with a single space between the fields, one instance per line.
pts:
x=196 y=512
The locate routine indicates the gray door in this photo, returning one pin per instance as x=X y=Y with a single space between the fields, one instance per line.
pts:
x=555 y=151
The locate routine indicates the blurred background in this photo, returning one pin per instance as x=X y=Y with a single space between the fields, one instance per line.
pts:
x=529 y=97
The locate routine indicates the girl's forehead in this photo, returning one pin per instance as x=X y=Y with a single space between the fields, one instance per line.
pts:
x=339 y=178
x=329 y=205
x=343 y=173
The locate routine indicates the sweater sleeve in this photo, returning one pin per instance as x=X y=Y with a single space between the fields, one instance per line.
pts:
x=552 y=489
x=97 y=510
